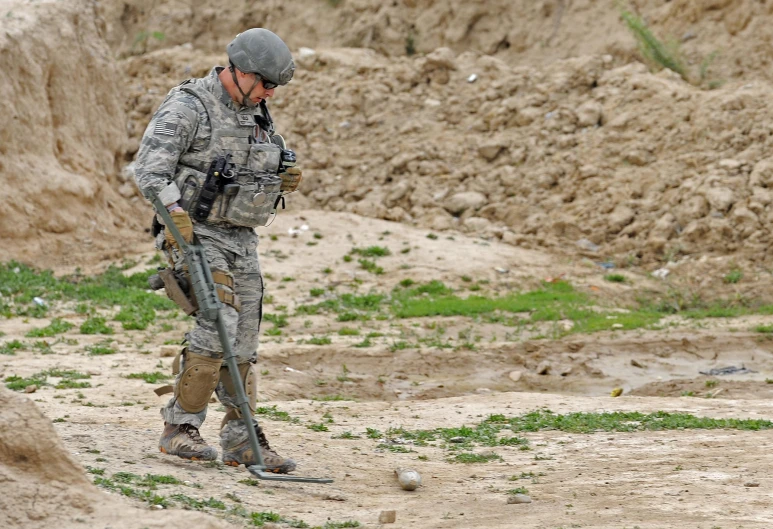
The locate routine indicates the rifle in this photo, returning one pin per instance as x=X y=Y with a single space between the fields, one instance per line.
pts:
x=209 y=308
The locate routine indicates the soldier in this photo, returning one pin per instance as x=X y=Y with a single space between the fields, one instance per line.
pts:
x=222 y=117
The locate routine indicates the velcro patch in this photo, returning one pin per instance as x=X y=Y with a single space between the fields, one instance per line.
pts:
x=165 y=128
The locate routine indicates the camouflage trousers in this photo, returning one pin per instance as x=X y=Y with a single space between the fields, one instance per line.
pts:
x=232 y=250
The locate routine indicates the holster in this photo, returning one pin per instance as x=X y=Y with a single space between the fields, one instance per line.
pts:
x=176 y=293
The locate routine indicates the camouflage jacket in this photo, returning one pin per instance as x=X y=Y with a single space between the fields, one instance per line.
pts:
x=181 y=125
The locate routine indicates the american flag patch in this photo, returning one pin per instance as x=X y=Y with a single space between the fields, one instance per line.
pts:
x=166 y=128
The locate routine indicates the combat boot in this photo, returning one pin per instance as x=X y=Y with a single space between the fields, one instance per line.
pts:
x=239 y=452
x=183 y=440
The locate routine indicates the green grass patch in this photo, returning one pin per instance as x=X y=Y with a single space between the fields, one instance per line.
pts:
x=17 y=383
x=95 y=325
x=259 y=519
x=10 y=348
x=765 y=329
x=197 y=505
x=370 y=266
x=319 y=340
x=135 y=318
x=20 y=284
x=372 y=251
x=100 y=349
x=615 y=278
x=271 y=412
x=733 y=276
x=348 y=331
x=57 y=326
x=150 y=378
x=72 y=384
x=518 y=490
x=469 y=458
x=279 y=320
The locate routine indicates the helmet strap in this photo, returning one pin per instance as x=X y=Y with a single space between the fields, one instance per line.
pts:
x=245 y=97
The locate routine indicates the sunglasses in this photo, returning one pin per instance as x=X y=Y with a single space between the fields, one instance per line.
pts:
x=268 y=85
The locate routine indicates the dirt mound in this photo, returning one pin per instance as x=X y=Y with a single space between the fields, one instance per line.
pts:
x=46 y=488
x=63 y=137
x=513 y=139
x=580 y=155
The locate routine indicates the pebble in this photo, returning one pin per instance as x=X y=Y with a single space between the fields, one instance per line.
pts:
x=515 y=376
x=751 y=484
x=519 y=498
x=543 y=368
x=387 y=517
x=31 y=389
x=408 y=478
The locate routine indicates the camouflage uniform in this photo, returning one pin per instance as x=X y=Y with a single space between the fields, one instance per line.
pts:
x=182 y=127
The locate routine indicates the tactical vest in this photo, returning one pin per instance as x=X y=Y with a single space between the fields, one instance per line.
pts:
x=251 y=196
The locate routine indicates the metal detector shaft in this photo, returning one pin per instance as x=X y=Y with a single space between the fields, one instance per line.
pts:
x=210 y=308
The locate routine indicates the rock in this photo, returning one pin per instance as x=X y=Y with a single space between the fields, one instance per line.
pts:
x=476 y=224
x=616 y=392
x=387 y=517
x=127 y=190
x=408 y=478
x=515 y=376
x=166 y=351
x=543 y=368
x=31 y=389
x=457 y=440
x=636 y=363
x=751 y=484
x=518 y=498
x=585 y=244
x=461 y=202
x=720 y=198
x=589 y=114
x=306 y=57
x=490 y=150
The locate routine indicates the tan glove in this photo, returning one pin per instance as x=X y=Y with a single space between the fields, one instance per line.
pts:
x=291 y=179
x=184 y=224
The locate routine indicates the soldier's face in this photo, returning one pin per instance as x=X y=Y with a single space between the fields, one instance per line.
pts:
x=259 y=93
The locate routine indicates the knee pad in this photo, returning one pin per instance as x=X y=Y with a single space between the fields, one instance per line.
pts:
x=247 y=373
x=197 y=382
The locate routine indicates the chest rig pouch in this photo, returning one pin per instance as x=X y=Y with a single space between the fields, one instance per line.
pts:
x=250 y=196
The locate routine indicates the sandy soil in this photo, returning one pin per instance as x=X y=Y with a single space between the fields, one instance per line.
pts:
x=686 y=478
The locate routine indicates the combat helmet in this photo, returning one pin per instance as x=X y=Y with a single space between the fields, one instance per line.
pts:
x=262 y=52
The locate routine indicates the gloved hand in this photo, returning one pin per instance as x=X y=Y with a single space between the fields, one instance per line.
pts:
x=291 y=179
x=183 y=223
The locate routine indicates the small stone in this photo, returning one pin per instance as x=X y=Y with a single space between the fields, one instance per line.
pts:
x=32 y=388
x=636 y=363
x=616 y=392
x=456 y=440
x=515 y=376
x=585 y=244
x=518 y=498
x=408 y=478
x=168 y=350
x=751 y=484
x=387 y=517
x=543 y=368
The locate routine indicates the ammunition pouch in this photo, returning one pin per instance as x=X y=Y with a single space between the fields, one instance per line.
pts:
x=248 y=199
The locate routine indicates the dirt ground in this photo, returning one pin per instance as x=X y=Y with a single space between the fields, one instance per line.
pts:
x=682 y=478
x=491 y=145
